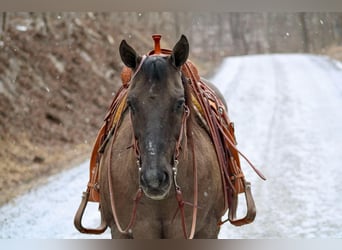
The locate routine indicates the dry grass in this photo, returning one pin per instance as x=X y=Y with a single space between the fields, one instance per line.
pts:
x=27 y=165
x=334 y=52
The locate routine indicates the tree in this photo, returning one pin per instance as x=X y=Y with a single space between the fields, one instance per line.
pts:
x=237 y=28
x=304 y=32
x=3 y=22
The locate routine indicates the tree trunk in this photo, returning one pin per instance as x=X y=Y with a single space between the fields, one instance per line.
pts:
x=3 y=24
x=237 y=30
x=304 y=32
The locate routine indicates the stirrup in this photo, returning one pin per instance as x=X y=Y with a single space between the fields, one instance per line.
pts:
x=79 y=216
x=251 y=210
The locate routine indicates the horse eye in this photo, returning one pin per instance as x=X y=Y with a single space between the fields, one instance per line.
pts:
x=179 y=104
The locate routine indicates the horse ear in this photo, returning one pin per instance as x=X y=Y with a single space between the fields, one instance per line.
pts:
x=128 y=55
x=180 y=52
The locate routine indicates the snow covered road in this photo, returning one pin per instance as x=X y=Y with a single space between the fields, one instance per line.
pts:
x=287 y=110
x=287 y=115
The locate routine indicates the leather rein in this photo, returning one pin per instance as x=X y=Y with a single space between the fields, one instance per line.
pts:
x=128 y=230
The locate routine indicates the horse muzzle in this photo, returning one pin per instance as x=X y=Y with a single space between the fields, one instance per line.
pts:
x=155 y=183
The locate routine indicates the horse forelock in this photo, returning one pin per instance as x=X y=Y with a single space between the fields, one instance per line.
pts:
x=155 y=68
x=157 y=77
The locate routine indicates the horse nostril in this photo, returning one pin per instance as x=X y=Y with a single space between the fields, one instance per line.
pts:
x=164 y=178
x=142 y=180
x=154 y=179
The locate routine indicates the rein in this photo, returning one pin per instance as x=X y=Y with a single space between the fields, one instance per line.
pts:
x=178 y=190
x=129 y=228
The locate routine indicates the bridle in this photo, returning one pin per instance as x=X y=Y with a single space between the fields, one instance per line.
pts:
x=128 y=230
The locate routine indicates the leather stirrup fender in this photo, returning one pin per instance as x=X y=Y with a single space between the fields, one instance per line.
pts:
x=79 y=216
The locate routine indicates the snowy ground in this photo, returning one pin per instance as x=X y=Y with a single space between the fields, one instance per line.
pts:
x=287 y=114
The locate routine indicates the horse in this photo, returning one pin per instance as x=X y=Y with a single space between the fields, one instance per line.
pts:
x=152 y=156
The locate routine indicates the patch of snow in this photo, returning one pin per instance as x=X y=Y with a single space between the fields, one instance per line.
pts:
x=21 y=27
x=338 y=64
x=48 y=211
x=57 y=63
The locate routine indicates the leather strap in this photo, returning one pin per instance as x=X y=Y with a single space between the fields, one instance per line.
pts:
x=233 y=181
x=128 y=229
x=179 y=195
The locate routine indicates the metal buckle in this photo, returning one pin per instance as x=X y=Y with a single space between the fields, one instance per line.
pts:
x=174 y=171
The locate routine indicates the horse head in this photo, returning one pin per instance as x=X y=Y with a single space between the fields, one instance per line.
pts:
x=157 y=104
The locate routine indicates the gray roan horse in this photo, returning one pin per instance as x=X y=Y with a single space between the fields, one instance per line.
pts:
x=143 y=155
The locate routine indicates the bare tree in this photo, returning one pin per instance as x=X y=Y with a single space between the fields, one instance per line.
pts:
x=46 y=23
x=338 y=28
x=3 y=24
x=237 y=28
x=304 y=32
